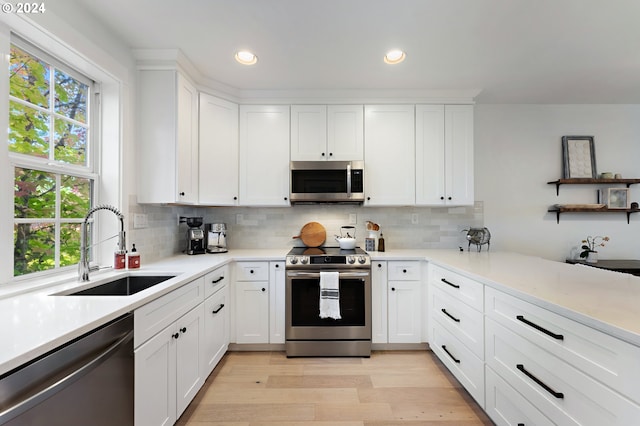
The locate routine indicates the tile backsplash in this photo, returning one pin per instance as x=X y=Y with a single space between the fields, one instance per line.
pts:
x=274 y=227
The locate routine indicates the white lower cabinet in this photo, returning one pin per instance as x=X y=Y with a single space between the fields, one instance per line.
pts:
x=168 y=370
x=252 y=302
x=506 y=407
x=396 y=302
x=277 y=279
x=216 y=321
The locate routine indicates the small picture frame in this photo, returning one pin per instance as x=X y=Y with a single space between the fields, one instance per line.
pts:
x=618 y=198
x=579 y=157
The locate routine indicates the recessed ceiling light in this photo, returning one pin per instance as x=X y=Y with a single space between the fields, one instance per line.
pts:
x=246 y=58
x=394 y=57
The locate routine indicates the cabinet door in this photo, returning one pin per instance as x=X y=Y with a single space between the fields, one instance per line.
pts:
x=187 y=141
x=276 y=302
x=218 y=146
x=430 y=172
x=189 y=357
x=389 y=154
x=309 y=133
x=345 y=132
x=252 y=312
x=405 y=316
x=264 y=155
x=155 y=380
x=458 y=137
x=216 y=328
x=379 y=302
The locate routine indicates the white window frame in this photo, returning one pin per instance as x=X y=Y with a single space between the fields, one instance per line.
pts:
x=115 y=82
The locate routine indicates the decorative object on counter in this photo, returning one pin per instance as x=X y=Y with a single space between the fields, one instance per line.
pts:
x=579 y=157
x=133 y=259
x=312 y=234
x=374 y=234
x=345 y=240
x=618 y=198
x=589 y=247
x=606 y=175
x=381 y=243
x=479 y=237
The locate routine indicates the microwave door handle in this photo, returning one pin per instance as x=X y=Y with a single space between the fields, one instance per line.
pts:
x=349 y=180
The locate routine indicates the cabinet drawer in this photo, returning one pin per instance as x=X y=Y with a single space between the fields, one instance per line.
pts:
x=506 y=407
x=215 y=280
x=462 y=363
x=252 y=271
x=565 y=394
x=463 y=288
x=151 y=318
x=461 y=320
x=601 y=356
x=403 y=271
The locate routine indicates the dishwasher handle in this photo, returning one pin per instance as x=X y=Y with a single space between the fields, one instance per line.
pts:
x=33 y=400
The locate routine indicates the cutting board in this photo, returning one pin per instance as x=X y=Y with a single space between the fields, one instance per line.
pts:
x=312 y=234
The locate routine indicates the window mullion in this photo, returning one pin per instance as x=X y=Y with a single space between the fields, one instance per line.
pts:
x=58 y=221
x=52 y=123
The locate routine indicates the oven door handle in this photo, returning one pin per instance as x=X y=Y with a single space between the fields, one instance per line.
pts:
x=317 y=274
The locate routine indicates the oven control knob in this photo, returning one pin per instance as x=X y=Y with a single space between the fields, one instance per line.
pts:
x=293 y=260
x=304 y=260
x=362 y=260
x=351 y=259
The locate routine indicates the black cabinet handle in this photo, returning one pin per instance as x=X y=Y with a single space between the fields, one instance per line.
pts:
x=444 y=311
x=444 y=348
x=542 y=384
x=218 y=280
x=368 y=198
x=182 y=194
x=331 y=154
x=379 y=265
x=175 y=336
x=404 y=271
x=264 y=289
x=219 y=309
x=277 y=265
x=521 y=424
x=285 y=198
x=251 y=271
x=235 y=198
x=393 y=289
x=444 y=280
x=539 y=328
x=323 y=154
x=442 y=198
x=183 y=329
x=449 y=198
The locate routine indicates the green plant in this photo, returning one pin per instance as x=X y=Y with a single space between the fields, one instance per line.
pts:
x=589 y=245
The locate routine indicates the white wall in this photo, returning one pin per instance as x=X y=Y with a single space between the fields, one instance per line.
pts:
x=518 y=150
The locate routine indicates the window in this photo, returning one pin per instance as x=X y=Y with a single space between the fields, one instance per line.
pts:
x=51 y=149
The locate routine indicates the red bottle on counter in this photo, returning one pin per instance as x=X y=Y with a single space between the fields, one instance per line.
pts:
x=134 y=258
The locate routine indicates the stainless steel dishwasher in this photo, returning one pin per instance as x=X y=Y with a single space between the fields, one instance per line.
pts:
x=88 y=381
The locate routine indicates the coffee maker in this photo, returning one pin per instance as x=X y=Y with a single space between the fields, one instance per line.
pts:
x=216 y=237
x=195 y=235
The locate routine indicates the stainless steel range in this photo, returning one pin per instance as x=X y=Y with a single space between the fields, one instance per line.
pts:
x=306 y=333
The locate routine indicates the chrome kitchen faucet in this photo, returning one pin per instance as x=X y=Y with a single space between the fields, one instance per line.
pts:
x=83 y=265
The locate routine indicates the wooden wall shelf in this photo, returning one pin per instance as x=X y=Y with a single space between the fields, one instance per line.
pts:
x=591 y=181
x=558 y=209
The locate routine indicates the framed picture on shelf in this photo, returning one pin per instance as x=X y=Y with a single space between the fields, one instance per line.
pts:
x=579 y=157
x=618 y=198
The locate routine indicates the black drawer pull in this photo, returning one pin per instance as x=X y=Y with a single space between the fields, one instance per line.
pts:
x=444 y=280
x=543 y=385
x=537 y=327
x=175 y=336
x=457 y=361
x=218 y=280
x=183 y=329
x=444 y=311
x=520 y=424
x=219 y=309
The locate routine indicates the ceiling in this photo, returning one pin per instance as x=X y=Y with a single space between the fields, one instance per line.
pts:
x=505 y=51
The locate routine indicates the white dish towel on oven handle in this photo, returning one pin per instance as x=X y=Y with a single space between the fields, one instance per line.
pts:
x=330 y=295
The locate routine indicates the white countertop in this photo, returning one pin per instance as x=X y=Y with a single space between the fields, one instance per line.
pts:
x=37 y=322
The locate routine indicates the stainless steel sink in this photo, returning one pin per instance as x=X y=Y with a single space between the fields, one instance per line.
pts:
x=124 y=286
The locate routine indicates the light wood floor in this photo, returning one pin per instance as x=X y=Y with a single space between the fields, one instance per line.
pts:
x=390 y=388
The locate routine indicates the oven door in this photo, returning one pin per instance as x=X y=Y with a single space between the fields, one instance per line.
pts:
x=302 y=315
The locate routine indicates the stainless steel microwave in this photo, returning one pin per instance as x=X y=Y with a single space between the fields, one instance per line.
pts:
x=327 y=181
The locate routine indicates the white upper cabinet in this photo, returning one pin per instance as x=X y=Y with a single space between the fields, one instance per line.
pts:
x=167 y=138
x=218 y=146
x=444 y=155
x=333 y=132
x=264 y=155
x=389 y=155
